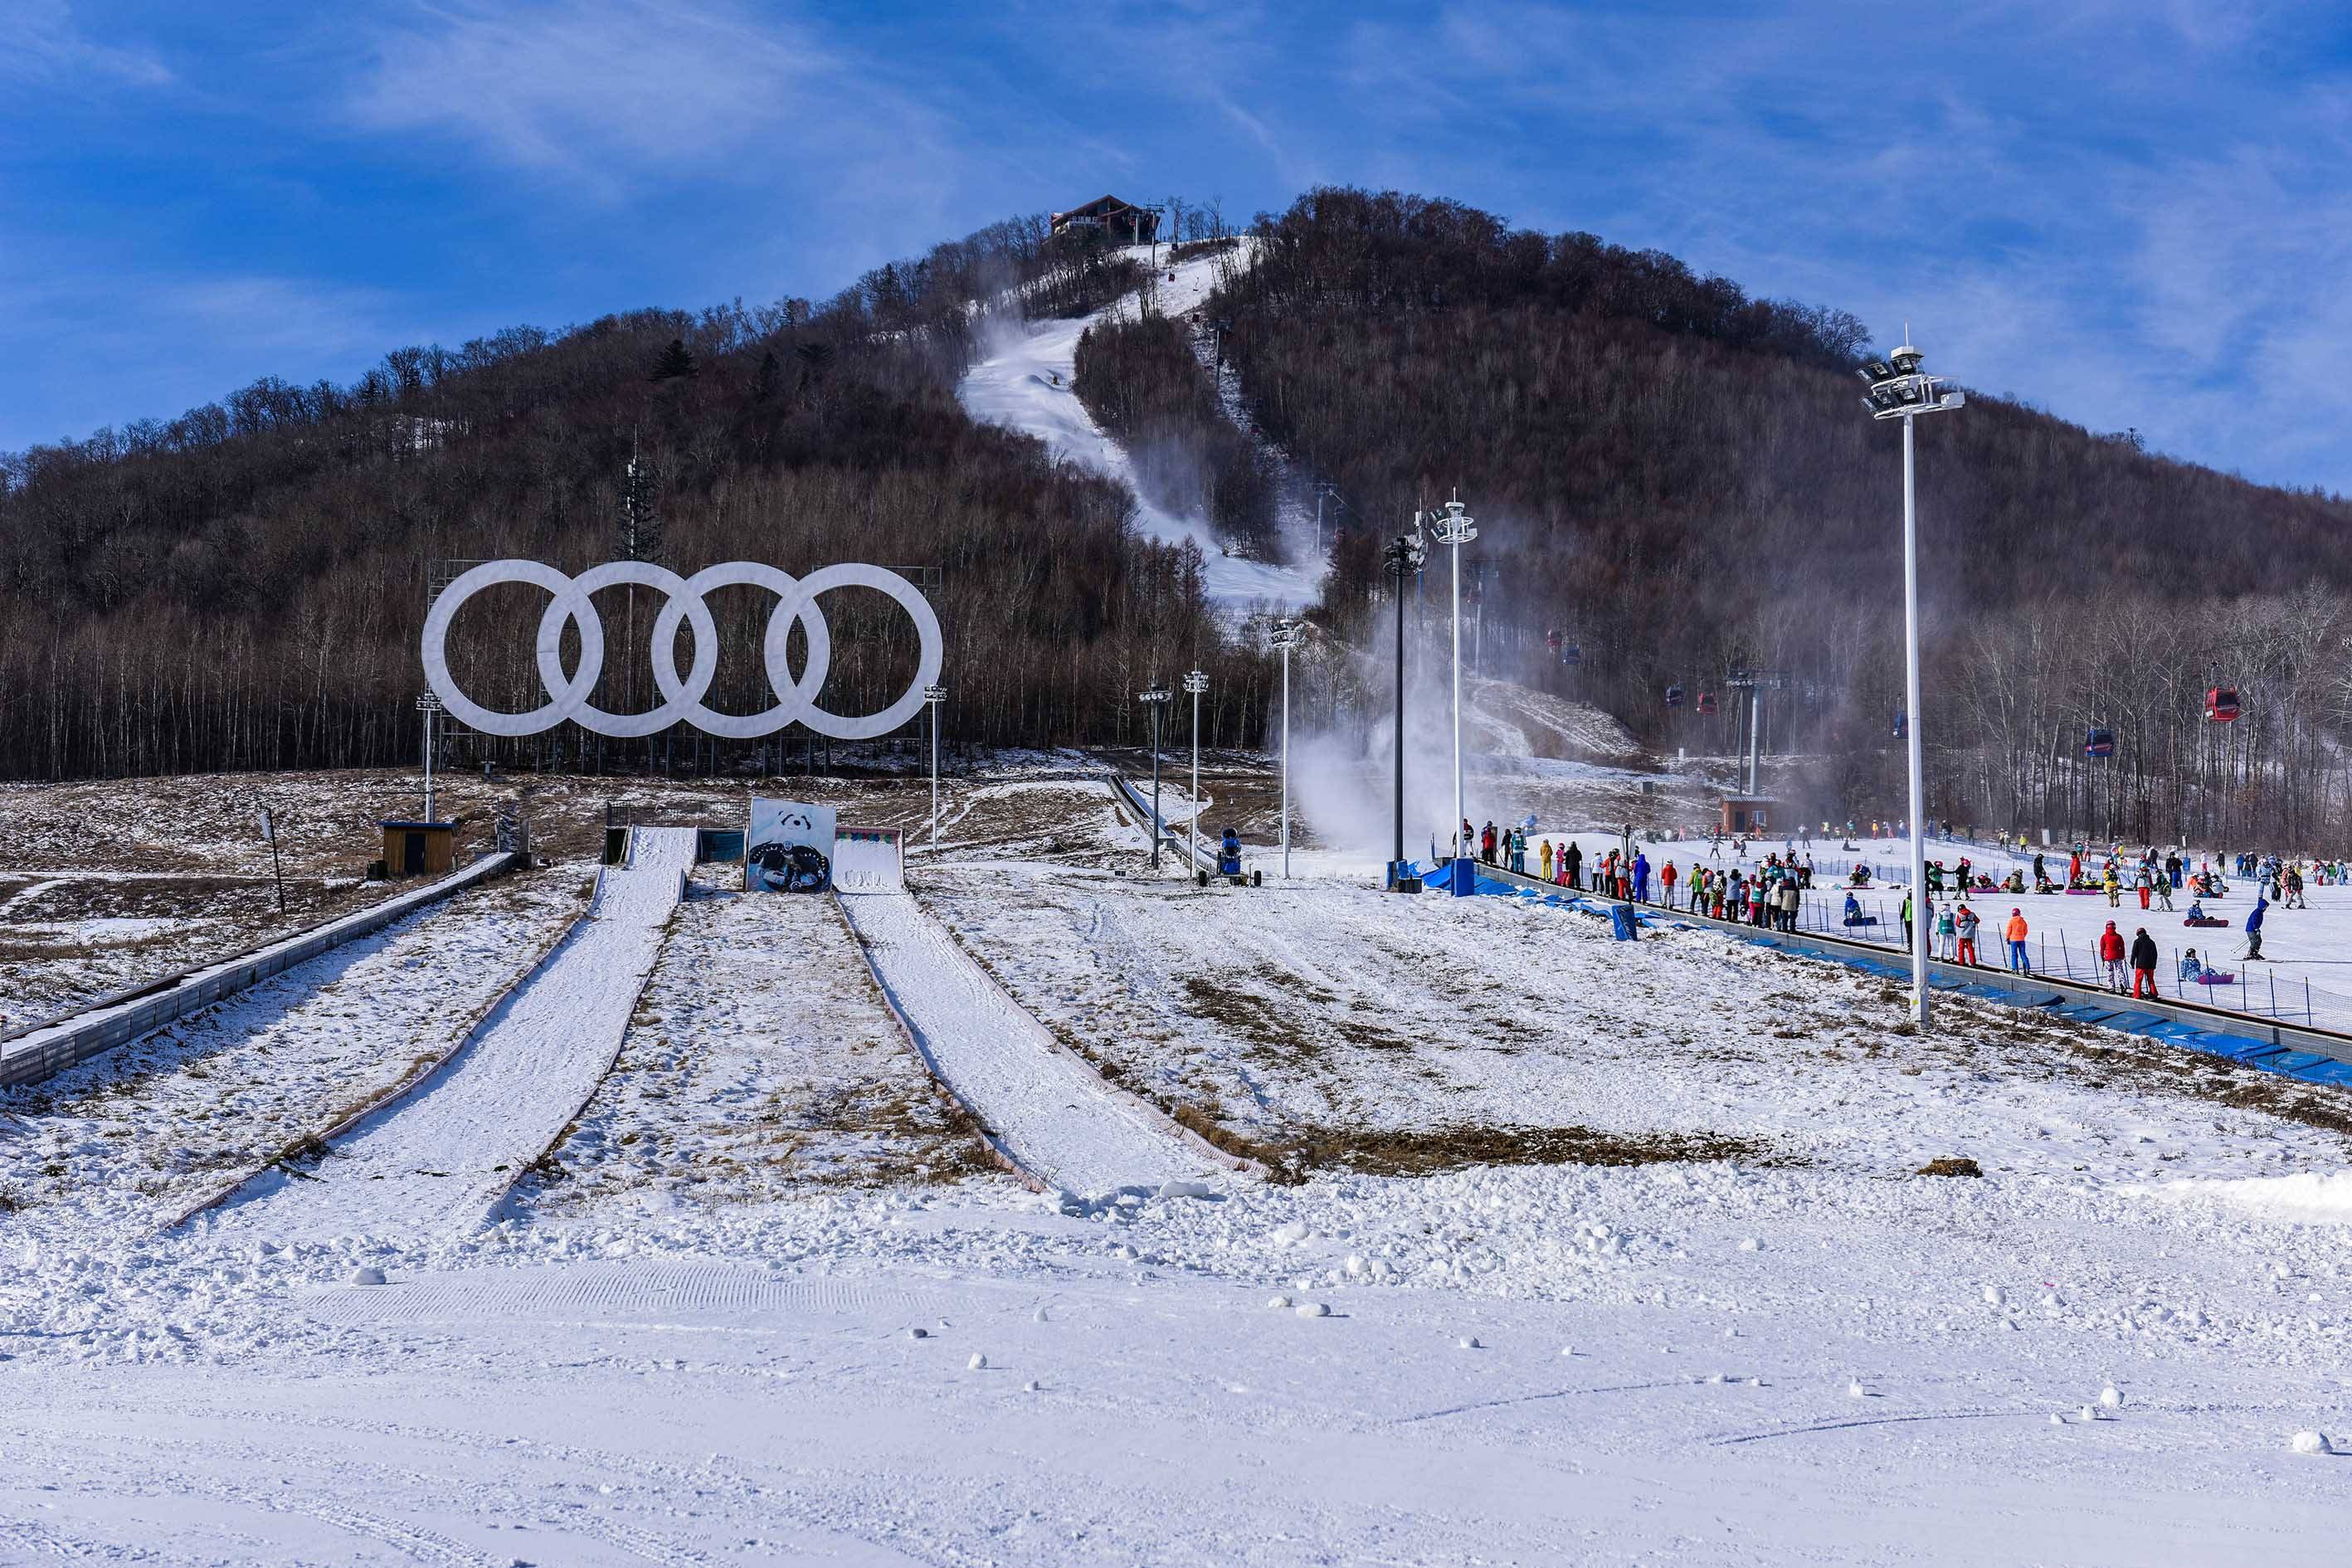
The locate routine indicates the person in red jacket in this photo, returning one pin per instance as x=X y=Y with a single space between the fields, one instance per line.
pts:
x=2111 y=953
x=1666 y=881
x=2142 y=962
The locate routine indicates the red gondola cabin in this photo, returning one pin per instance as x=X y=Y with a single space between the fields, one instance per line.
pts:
x=2221 y=704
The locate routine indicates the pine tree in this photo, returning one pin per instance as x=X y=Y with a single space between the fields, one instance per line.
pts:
x=763 y=387
x=674 y=363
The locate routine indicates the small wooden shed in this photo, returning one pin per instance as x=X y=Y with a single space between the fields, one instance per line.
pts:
x=419 y=849
x=1745 y=814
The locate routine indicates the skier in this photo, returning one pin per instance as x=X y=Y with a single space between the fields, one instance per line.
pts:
x=2111 y=953
x=2255 y=926
x=1967 y=922
x=2142 y=962
x=2145 y=881
x=1486 y=844
x=1666 y=883
x=1575 y=865
x=1545 y=860
x=1519 y=850
x=1641 y=877
x=1947 y=931
x=2014 y=933
x=1907 y=922
x=2295 y=889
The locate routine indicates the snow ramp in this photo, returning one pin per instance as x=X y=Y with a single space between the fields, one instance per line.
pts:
x=1052 y=1112
x=440 y=1158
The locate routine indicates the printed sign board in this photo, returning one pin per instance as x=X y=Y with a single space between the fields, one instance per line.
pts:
x=790 y=847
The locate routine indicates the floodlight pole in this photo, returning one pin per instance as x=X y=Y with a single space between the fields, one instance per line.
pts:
x=1453 y=528
x=1402 y=558
x=932 y=696
x=1899 y=390
x=1914 y=746
x=1286 y=636
x=428 y=704
x=1195 y=682
x=1155 y=697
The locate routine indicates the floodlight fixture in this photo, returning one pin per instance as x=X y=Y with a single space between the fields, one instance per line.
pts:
x=1196 y=681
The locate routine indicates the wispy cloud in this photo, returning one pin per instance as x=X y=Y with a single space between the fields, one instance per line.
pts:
x=598 y=90
x=45 y=45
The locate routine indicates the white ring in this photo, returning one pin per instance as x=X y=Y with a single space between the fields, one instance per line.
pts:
x=682 y=698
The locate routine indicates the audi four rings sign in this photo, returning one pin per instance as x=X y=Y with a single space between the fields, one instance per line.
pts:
x=681 y=699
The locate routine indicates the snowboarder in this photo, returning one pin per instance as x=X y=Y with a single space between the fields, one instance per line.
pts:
x=2142 y=962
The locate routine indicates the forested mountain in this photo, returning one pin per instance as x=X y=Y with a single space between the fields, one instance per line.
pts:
x=243 y=586
x=1676 y=477
x=1683 y=480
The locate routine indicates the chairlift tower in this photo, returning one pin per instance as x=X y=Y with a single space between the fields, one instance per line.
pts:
x=1900 y=390
x=1756 y=682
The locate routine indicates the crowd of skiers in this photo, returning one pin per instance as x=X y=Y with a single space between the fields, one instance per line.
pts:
x=1771 y=895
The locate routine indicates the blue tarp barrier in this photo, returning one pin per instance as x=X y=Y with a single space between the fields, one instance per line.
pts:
x=1621 y=920
x=2295 y=1062
x=2327 y=1069
x=2240 y=1047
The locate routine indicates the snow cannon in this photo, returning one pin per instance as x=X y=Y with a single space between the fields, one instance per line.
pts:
x=1229 y=865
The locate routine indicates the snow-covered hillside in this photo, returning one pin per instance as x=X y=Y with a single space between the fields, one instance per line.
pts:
x=1570 y=1251
x=1024 y=383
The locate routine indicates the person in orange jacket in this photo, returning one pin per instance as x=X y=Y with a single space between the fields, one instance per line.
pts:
x=2111 y=953
x=2013 y=934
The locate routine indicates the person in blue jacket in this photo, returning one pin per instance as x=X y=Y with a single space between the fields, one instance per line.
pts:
x=1641 y=877
x=2255 y=926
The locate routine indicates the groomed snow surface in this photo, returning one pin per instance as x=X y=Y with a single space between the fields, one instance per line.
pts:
x=811 y=1325
x=438 y=1158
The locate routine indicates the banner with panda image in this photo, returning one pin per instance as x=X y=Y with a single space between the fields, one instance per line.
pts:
x=789 y=847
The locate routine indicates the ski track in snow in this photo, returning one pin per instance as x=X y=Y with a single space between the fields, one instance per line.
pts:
x=1024 y=384
x=1059 y=1118
x=437 y=1158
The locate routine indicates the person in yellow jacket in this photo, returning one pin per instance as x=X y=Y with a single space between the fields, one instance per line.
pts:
x=1546 y=859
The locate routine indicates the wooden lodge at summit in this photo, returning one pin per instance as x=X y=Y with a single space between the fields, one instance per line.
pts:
x=1117 y=222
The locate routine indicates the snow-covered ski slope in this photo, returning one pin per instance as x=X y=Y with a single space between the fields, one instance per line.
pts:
x=1024 y=383
x=1061 y=1121
x=438 y=1160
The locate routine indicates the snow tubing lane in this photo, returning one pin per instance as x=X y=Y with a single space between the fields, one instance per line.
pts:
x=456 y=1042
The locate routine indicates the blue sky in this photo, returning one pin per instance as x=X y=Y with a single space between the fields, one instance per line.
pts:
x=2130 y=214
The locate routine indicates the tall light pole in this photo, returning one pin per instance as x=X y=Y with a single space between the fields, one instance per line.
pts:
x=1401 y=559
x=1286 y=633
x=1452 y=527
x=1900 y=390
x=1155 y=697
x=428 y=704
x=1196 y=682
x=932 y=696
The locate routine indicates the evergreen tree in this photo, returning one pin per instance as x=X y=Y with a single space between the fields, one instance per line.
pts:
x=763 y=387
x=676 y=362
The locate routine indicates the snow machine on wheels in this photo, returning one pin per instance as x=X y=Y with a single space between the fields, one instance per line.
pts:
x=1229 y=865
